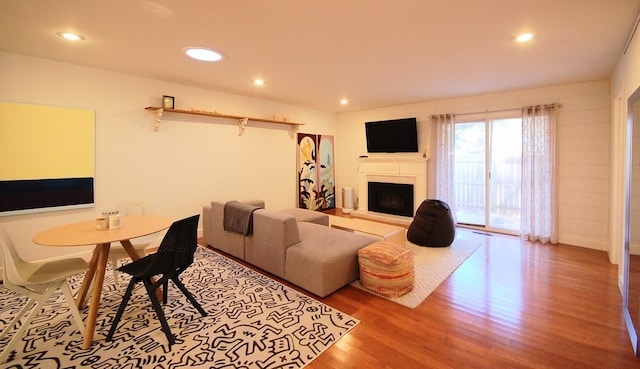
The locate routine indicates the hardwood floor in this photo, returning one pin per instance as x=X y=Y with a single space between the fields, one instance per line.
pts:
x=511 y=304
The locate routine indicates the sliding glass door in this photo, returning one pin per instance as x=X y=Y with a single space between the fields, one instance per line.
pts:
x=487 y=173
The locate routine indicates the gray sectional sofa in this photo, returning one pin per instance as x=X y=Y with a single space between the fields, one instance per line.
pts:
x=296 y=245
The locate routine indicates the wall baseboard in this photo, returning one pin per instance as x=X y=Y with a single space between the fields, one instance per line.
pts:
x=589 y=243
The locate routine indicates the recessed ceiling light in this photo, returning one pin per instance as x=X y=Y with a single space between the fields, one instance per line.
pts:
x=524 y=37
x=344 y=101
x=70 y=36
x=204 y=54
x=258 y=82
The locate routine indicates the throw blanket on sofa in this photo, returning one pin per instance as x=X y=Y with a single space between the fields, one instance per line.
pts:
x=238 y=217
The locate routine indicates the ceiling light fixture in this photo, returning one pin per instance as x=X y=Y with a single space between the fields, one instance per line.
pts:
x=344 y=101
x=204 y=54
x=524 y=37
x=70 y=36
x=258 y=82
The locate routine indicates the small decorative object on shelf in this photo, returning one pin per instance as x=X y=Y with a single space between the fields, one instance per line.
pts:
x=168 y=102
x=204 y=112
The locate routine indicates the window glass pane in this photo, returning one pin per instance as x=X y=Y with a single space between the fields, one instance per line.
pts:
x=469 y=172
x=505 y=174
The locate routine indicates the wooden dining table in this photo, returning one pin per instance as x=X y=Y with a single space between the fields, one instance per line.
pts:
x=86 y=233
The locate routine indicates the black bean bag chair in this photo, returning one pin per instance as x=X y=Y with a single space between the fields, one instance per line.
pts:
x=433 y=225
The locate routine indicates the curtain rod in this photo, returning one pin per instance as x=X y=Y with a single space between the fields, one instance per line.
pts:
x=434 y=116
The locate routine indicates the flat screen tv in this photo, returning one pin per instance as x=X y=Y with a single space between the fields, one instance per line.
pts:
x=396 y=135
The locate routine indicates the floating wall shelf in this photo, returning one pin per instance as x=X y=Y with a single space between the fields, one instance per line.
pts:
x=242 y=121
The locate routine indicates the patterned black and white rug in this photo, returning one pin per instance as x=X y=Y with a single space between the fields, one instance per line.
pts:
x=252 y=322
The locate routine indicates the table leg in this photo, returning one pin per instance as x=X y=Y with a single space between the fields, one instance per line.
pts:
x=100 y=266
x=88 y=277
x=128 y=247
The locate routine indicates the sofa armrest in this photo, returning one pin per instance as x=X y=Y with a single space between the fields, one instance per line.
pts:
x=273 y=233
x=214 y=233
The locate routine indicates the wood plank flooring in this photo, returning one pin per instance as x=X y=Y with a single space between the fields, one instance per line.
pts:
x=511 y=304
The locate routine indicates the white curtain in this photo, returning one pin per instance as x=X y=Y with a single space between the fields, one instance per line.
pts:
x=539 y=179
x=446 y=150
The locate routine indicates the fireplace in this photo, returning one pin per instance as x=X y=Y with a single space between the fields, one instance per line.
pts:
x=409 y=172
x=390 y=198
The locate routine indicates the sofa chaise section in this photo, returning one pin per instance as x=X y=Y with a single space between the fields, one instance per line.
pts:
x=325 y=260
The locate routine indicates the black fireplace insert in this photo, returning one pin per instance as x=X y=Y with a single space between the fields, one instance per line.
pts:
x=391 y=198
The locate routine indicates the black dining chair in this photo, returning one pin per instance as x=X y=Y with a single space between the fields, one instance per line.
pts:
x=174 y=255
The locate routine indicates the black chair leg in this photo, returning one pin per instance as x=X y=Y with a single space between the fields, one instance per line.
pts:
x=151 y=291
x=188 y=295
x=123 y=305
x=165 y=292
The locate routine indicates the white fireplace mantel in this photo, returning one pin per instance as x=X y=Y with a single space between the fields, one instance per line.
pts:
x=405 y=170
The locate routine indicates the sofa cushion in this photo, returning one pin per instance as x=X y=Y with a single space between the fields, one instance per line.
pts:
x=325 y=259
x=306 y=215
x=273 y=233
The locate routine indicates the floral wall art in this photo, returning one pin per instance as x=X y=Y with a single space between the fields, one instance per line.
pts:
x=316 y=172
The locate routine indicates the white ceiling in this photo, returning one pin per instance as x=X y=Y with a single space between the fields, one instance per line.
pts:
x=313 y=53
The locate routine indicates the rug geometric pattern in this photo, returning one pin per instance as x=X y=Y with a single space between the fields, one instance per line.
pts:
x=253 y=321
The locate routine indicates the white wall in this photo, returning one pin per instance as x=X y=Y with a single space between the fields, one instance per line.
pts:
x=624 y=81
x=583 y=140
x=192 y=160
x=188 y=162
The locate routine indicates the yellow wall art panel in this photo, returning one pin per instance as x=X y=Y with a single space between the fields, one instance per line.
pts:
x=46 y=142
x=47 y=157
